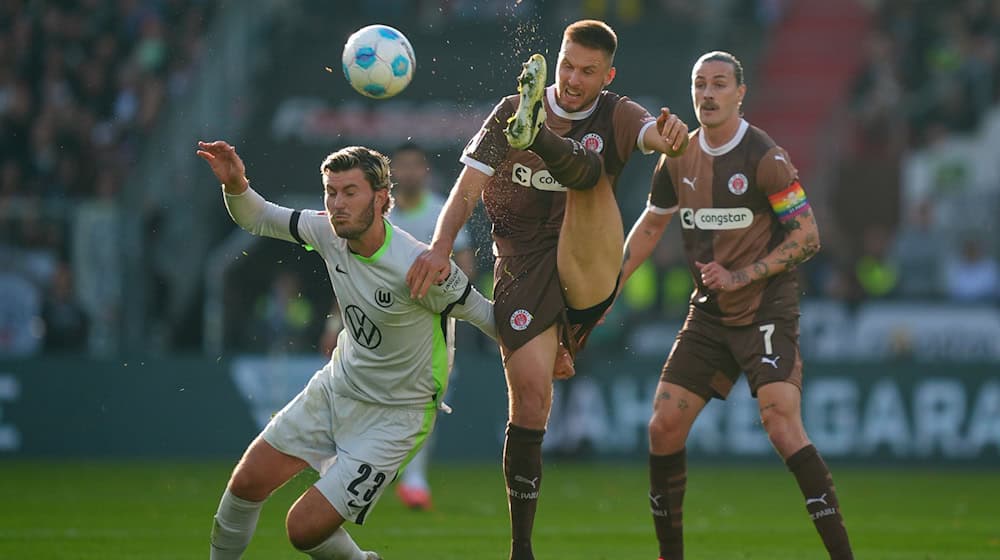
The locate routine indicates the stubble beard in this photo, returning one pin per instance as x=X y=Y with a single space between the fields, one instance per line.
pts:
x=354 y=233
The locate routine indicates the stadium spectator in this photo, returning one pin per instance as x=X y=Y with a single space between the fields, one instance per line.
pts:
x=64 y=319
x=282 y=317
x=20 y=313
x=744 y=315
x=916 y=252
x=876 y=272
x=972 y=275
x=81 y=84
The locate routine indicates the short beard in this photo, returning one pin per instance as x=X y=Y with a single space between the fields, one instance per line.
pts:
x=367 y=219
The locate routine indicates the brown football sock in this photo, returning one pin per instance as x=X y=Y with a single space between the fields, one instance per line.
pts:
x=667 y=482
x=816 y=484
x=574 y=166
x=522 y=467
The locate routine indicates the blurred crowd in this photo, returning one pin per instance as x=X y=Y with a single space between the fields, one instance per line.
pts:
x=925 y=109
x=82 y=83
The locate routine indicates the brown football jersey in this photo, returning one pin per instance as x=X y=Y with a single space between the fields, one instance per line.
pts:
x=523 y=200
x=720 y=196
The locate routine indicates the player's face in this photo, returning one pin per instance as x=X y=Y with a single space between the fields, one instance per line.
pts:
x=581 y=74
x=350 y=202
x=409 y=169
x=715 y=94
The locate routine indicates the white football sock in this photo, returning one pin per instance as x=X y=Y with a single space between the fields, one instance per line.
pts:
x=338 y=546
x=234 y=525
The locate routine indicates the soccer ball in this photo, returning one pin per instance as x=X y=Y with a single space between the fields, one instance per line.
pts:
x=378 y=61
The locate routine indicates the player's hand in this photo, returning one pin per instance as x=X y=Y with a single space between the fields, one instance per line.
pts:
x=717 y=278
x=674 y=132
x=226 y=164
x=563 y=368
x=432 y=267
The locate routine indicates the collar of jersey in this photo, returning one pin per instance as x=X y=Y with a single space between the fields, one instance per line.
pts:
x=550 y=93
x=385 y=245
x=728 y=146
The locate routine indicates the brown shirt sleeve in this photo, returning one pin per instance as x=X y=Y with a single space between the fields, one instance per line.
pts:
x=489 y=146
x=662 y=193
x=776 y=172
x=629 y=119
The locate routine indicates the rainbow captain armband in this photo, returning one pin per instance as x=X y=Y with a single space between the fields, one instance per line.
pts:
x=789 y=203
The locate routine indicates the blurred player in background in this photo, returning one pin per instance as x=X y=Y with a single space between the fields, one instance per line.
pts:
x=368 y=411
x=416 y=205
x=415 y=210
x=746 y=224
x=545 y=163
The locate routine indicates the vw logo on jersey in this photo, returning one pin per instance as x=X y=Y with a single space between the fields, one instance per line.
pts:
x=593 y=141
x=738 y=183
x=520 y=319
x=383 y=298
x=363 y=330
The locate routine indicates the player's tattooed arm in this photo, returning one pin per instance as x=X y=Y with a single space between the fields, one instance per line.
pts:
x=801 y=243
x=759 y=270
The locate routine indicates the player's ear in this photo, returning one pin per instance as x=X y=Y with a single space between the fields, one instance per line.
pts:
x=609 y=77
x=382 y=200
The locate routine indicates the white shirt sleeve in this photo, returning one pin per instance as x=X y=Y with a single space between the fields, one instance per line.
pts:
x=258 y=216
x=477 y=165
x=640 y=142
x=456 y=297
x=478 y=311
x=654 y=209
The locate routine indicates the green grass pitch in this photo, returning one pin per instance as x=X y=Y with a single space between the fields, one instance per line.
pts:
x=128 y=510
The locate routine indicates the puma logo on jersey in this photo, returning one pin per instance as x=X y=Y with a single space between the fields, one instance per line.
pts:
x=689 y=182
x=773 y=362
x=533 y=482
x=819 y=500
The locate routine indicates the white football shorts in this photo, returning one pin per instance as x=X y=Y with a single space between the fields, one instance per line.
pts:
x=358 y=448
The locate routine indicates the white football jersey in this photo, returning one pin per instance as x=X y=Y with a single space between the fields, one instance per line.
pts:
x=393 y=350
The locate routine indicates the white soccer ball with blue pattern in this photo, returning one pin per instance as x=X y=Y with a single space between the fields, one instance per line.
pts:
x=378 y=61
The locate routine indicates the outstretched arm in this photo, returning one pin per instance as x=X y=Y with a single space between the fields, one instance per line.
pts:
x=246 y=207
x=457 y=298
x=478 y=311
x=226 y=164
x=433 y=265
x=669 y=136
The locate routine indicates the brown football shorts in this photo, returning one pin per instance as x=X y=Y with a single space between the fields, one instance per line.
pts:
x=708 y=357
x=528 y=299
